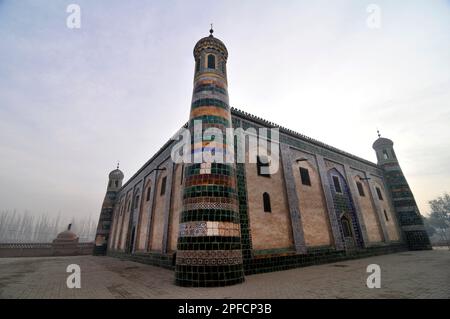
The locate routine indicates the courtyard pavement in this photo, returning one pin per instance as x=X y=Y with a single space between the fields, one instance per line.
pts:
x=423 y=274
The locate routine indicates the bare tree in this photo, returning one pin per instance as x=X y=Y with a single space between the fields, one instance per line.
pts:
x=440 y=216
x=41 y=228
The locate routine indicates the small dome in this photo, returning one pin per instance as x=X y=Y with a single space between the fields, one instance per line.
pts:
x=382 y=142
x=66 y=235
x=210 y=42
x=116 y=174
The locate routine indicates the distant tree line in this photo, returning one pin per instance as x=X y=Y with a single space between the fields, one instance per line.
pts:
x=438 y=223
x=26 y=227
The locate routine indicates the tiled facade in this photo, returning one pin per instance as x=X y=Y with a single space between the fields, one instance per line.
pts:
x=210 y=221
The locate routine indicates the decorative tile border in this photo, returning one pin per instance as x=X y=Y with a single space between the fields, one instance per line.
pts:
x=209 y=228
x=210 y=205
x=213 y=215
x=209 y=257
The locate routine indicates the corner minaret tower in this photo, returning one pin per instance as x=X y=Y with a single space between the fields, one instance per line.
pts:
x=104 y=223
x=404 y=203
x=209 y=245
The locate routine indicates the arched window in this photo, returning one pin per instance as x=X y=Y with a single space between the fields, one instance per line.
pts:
x=266 y=201
x=386 y=215
x=182 y=174
x=337 y=184
x=380 y=197
x=211 y=61
x=262 y=161
x=136 y=204
x=346 y=228
x=385 y=154
x=393 y=154
x=163 y=186
x=304 y=175
x=148 y=194
x=117 y=183
x=360 y=189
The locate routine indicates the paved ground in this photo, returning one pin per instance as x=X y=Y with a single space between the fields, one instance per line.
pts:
x=424 y=274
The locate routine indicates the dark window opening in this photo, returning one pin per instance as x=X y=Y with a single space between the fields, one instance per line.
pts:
x=132 y=239
x=147 y=198
x=380 y=197
x=386 y=216
x=163 y=185
x=117 y=183
x=304 y=174
x=360 y=189
x=346 y=228
x=109 y=185
x=262 y=161
x=137 y=202
x=378 y=156
x=385 y=154
x=337 y=184
x=393 y=154
x=182 y=174
x=223 y=67
x=211 y=61
x=266 y=202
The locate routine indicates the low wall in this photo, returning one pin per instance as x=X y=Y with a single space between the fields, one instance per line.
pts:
x=277 y=260
x=441 y=243
x=153 y=258
x=43 y=250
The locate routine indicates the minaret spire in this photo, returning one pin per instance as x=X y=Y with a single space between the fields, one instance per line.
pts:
x=211 y=31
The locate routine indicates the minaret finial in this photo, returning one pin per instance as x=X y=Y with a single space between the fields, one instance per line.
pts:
x=118 y=163
x=378 y=132
x=211 y=31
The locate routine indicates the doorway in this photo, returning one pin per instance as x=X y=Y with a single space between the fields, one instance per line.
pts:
x=347 y=230
x=132 y=240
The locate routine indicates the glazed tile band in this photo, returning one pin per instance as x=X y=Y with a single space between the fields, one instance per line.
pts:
x=209 y=257
x=210 y=228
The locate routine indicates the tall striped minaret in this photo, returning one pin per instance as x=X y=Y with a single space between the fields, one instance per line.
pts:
x=106 y=214
x=405 y=206
x=209 y=245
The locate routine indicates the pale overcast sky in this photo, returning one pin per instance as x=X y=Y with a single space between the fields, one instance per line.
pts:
x=74 y=101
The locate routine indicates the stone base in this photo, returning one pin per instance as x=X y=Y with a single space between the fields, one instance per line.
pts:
x=260 y=263
x=315 y=256
x=209 y=276
x=100 y=250
x=418 y=240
